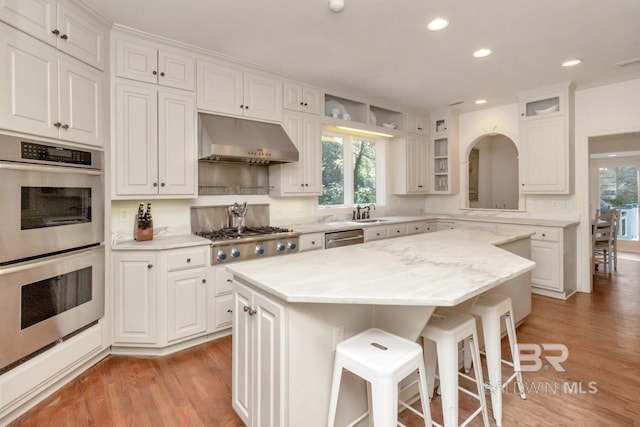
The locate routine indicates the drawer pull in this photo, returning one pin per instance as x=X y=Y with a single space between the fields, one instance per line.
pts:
x=188 y=259
x=149 y=266
x=229 y=311
x=229 y=280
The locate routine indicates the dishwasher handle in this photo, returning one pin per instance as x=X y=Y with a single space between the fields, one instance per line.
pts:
x=346 y=239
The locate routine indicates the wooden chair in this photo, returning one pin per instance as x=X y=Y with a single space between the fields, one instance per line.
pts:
x=604 y=240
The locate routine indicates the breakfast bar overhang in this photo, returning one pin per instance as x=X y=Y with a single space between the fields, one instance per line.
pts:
x=289 y=313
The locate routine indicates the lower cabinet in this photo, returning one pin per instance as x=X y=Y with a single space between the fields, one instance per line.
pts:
x=160 y=296
x=553 y=250
x=258 y=358
x=219 y=297
x=311 y=241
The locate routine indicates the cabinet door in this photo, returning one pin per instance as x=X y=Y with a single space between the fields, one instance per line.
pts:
x=219 y=88
x=293 y=173
x=242 y=369
x=177 y=145
x=176 y=70
x=375 y=233
x=186 y=303
x=220 y=308
x=29 y=85
x=81 y=103
x=293 y=97
x=544 y=158
x=417 y=164
x=135 y=298
x=312 y=155
x=546 y=273
x=262 y=97
x=312 y=101
x=268 y=354
x=137 y=62
x=81 y=36
x=136 y=140
x=34 y=17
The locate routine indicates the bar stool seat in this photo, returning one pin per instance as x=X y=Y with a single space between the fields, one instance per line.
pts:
x=441 y=337
x=383 y=360
x=490 y=308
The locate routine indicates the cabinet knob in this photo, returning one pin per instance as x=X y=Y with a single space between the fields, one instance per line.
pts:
x=229 y=280
x=64 y=37
x=57 y=124
x=419 y=186
x=544 y=235
x=162 y=74
x=301 y=185
x=154 y=72
x=301 y=103
x=188 y=259
x=56 y=32
x=162 y=184
x=149 y=266
x=249 y=310
x=65 y=126
x=522 y=114
x=306 y=185
x=313 y=242
x=522 y=184
x=419 y=128
x=229 y=311
x=305 y=104
x=377 y=234
x=241 y=105
x=246 y=107
x=204 y=280
x=155 y=184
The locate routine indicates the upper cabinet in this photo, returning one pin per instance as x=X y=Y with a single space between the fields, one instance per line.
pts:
x=45 y=94
x=229 y=90
x=417 y=124
x=299 y=97
x=410 y=160
x=60 y=24
x=546 y=139
x=360 y=116
x=149 y=64
x=443 y=153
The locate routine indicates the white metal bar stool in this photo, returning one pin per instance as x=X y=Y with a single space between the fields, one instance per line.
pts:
x=441 y=337
x=383 y=360
x=490 y=308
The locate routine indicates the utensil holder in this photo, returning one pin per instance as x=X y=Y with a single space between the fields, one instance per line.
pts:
x=143 y=231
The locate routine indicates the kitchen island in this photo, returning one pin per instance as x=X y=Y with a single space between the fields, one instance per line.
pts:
x=290 y=312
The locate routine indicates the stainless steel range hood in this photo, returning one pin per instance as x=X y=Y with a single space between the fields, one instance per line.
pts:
x=228 y=139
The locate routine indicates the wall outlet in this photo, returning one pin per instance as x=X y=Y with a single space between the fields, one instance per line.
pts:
x=124 y=215
x=338 y=335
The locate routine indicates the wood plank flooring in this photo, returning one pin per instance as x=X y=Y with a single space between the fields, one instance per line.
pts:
x=599 y=387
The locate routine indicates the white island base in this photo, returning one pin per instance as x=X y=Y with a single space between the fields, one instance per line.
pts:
x=288 y=313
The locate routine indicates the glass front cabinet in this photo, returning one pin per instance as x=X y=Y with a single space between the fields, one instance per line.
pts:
x=443 y=153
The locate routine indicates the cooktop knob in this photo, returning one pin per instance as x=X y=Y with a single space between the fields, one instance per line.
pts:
x=235 y=253
x=221 y=255
x=280 y=247
x=259 y=250
x=292 y=245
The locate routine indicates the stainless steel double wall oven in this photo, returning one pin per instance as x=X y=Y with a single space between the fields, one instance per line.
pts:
x=51 y=244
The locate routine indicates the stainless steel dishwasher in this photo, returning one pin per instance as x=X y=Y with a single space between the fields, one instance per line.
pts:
x=336 y=239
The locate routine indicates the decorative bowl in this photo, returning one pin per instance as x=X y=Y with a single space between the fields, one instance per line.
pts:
x=548 y=110
x=389 y=125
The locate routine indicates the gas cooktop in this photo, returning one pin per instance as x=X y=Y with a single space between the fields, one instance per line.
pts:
x=248 y=232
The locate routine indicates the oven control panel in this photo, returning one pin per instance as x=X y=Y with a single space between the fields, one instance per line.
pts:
x=48 y=153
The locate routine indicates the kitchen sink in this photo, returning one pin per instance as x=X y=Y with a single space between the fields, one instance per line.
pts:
x=369 y=221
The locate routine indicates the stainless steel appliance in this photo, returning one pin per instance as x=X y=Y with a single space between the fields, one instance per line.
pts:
x=336 y=239
x=230 y=244
x=51 y=253
x=44 y=300
x=52 y=198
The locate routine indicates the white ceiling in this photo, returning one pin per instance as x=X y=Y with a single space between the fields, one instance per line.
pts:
x=382 y=49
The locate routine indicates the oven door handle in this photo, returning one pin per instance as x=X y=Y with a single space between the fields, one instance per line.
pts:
x=48 y=169
x=346 y=239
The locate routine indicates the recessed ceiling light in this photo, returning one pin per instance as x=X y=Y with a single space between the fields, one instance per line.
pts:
x=571 y=62
x=481 y=53
x=481 y=101
x=437 y=24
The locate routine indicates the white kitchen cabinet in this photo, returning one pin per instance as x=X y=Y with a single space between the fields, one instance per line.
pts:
x=303 y=177
x=410 y=160
x=299 y=97
x=221 y=298
x=151 y=64
x=443 y=153
x=445 y=225
x=160 y=296
x=375 y=233
x=60 y=24
x=430 y=226
x=311 y=241
x=156 y=147
x=229 y=90
x=554 y=252
x=416 y=227
x=43 y=95
x=396 y=230
x=417 y=124
x=136 y=298
x=259 y=344
x=546 y=137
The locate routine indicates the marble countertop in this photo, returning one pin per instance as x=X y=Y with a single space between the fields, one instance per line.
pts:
x=321 y=227
x=431 y=269
x=161 y=242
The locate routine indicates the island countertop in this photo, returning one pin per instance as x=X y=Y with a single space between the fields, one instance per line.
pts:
x=432 y=269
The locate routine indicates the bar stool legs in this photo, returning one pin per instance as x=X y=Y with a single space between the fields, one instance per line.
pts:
x=441 y=337
x=383 y=360
x=490 y=308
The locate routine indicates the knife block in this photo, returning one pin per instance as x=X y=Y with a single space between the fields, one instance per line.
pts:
x=142 y=231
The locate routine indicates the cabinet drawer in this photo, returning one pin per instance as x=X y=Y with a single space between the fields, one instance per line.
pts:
x=224 y=311
x=416 y=227
x=187 y=258
x=309 y=242
x=430 y=226
x=397 y=230
x=375 y=233
x=547 y=234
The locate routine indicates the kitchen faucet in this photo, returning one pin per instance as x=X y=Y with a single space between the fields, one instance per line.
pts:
x=367 y=214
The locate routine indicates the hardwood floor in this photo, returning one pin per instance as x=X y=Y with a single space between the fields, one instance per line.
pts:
x=599 y=387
